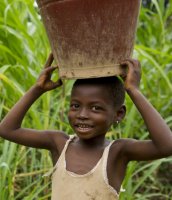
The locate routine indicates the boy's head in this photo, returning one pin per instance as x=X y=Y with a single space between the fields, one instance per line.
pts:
x=112 y=85
x=95 y=105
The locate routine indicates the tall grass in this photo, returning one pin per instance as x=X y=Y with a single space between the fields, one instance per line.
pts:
x=145 y=180
x=24 y=48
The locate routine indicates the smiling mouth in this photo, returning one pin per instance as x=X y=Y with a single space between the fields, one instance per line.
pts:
x=83 y=127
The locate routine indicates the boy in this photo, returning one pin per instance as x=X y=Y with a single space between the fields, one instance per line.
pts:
x=88 y=166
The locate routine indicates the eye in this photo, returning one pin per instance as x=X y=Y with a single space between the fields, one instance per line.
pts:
x=74 y=106
x=96 y=108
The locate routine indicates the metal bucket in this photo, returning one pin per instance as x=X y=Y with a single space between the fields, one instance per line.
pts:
x=90 y=37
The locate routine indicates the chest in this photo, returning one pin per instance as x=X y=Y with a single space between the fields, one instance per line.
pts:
x=82 y=161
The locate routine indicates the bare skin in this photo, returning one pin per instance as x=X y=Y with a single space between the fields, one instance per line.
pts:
x=91 y=114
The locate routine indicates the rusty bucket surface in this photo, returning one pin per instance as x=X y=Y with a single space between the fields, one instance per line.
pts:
x=89 y=38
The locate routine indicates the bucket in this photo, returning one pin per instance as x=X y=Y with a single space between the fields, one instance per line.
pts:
x=89 y=38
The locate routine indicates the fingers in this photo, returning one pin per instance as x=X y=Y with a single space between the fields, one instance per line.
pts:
x=131 y=62
x=53 y=85
x=133 y=75
x=132 y=65
x=58 y=83
x=48 y=73
x=49 y=60
x=49 y=70
x=125 y=66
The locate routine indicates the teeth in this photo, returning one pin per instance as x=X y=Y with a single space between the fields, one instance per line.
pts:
x=83 y=126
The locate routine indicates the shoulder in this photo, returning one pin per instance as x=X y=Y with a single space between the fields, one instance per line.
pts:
x=120 y=143
x=132 y=149
x=57 y=138
x=119 y=146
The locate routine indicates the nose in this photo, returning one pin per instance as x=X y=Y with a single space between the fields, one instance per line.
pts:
x=83 y=113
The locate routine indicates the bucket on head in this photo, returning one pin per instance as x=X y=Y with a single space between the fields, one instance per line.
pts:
x=89 y=38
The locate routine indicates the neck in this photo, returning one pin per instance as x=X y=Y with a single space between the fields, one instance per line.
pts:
x=97 y=141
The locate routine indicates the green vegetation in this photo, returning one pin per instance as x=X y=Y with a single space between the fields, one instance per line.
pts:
x=24 y=48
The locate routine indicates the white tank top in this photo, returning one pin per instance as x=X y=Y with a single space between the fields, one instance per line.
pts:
x=93 y=185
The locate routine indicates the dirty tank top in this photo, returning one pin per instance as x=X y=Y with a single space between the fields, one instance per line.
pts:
x=93 y=185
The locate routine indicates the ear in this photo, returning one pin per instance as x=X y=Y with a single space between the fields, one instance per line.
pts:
x=120 y=113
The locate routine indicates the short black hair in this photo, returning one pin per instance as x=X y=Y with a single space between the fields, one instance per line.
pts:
x=113 y=84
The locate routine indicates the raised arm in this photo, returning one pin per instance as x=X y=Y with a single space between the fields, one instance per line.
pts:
x=160 y=144
x=10 y=127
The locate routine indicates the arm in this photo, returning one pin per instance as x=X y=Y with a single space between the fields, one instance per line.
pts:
x=10 y=127
x=160 y=144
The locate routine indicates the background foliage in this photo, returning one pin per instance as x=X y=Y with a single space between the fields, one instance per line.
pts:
x=24 y=48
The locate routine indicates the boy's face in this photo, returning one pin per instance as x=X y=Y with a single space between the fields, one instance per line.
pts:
x=91 y=111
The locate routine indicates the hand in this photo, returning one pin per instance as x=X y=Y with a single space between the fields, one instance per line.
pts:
x=44 y=81
x=133 y=76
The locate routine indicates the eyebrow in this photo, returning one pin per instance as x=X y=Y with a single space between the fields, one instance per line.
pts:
x=91 y=102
